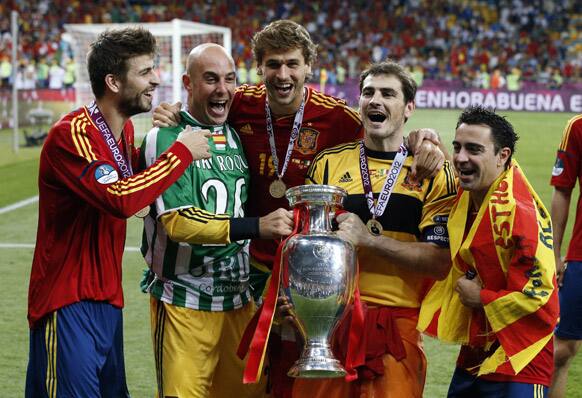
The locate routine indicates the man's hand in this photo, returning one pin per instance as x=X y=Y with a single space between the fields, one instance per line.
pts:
x=416 y=137
x=353 y=230
x=428 y=157
x=196 y=142
x=560 y=269
x=277 y=224
x=167 y=115
x=285 y=309
x=428 y=161
x=469 y=291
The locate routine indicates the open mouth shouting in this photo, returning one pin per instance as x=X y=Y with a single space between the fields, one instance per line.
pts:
x=465 y=173
x=218 y=106
x=376 y=116
x=283 y=89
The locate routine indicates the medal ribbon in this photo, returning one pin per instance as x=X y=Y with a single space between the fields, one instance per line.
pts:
x=384 y=196
x=256 y=335
x=122 y=164
x=294 y=134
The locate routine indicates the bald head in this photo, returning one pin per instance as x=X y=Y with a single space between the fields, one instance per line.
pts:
x=200 y=53
x=210 y=80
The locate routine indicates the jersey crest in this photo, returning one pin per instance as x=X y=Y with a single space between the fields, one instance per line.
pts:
x=307 y=141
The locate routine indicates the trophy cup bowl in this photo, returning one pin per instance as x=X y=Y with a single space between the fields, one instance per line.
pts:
x=321 y=269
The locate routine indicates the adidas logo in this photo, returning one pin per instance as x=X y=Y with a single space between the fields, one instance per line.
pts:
x=346 y=177
x=246 y=129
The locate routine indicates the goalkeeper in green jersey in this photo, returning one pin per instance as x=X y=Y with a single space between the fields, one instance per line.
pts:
x=196 y=242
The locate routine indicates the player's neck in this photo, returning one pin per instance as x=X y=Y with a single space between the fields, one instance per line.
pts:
x=383 y=144
x=477 y=198
x=114 y=118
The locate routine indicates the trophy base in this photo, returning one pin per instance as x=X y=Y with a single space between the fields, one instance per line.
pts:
x=315 y=363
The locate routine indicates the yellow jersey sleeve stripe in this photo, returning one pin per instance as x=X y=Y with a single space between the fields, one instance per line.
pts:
x=85 y=139
x=115 y=189
x=194 y=211
x=80 y=140
x=148 y=173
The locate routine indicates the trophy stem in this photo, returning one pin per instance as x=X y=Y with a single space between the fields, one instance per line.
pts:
x=317 y=361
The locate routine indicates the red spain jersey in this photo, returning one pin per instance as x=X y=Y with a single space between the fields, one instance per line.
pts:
x=327 y=122
x=567 y=170
x=83 y=205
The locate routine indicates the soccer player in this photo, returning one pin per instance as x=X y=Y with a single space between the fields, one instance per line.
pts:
x=282 y=125
x=499 y=300
x=87 y=191
x=200 y=293
x=569 y=331
x=401 y=237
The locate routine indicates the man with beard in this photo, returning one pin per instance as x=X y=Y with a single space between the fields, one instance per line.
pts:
x=499 y=299
x=87 y=190
x=200 y=293
x=399 y=227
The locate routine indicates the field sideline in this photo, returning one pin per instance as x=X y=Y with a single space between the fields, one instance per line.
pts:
x=540 y=135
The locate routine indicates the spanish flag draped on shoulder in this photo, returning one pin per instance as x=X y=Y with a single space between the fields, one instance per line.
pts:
x=509 y=246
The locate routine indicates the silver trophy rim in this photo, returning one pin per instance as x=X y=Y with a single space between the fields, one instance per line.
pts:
x=315 y=193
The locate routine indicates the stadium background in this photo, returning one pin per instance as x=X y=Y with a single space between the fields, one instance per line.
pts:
x=453 y=49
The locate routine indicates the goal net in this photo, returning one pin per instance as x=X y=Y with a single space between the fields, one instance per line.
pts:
x=175 y=39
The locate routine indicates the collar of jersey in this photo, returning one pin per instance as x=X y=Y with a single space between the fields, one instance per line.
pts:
x=187 y=115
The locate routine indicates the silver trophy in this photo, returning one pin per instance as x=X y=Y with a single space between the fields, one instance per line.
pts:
x=321 y=269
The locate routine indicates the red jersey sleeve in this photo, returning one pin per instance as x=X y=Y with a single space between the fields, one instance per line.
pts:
x=567 y=168
x=76 y=156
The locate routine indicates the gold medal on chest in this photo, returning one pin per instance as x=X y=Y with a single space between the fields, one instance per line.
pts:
x=277 y=188
x=374 y=227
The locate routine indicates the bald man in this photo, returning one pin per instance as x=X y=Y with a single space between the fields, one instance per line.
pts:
x=196 y=244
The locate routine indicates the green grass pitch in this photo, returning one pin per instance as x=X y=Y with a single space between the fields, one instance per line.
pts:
x=540 y=135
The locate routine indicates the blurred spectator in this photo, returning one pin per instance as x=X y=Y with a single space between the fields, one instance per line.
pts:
x=69 y=76
x=42 y=73
x=484 y=78
x=557 y=80
x=254 y=77
x=56 y=75
x=5 y=72
x=497 y=80
x=418 y=75
x=514 y=80
x=242 y=73
x=322 y=79
x=449 y=39
x=341 y=73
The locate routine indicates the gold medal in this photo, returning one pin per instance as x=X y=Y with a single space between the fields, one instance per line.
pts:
x=277 y=188
x=374 y=227
x=143 y=212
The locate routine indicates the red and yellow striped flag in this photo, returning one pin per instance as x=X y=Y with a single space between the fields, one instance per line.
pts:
x=219 y=141
x=509 y=246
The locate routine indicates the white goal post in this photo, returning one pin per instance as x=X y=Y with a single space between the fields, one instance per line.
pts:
x=175 y=39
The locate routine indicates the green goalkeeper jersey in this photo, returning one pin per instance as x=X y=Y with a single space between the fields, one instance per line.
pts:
x=213 y=273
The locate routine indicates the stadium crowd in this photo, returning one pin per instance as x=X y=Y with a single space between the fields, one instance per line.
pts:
x=481 y=43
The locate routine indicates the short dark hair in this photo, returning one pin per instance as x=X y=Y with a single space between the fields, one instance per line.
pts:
x=283 y=35
x=392 y=68
x=502 y=132
x=110 y=52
